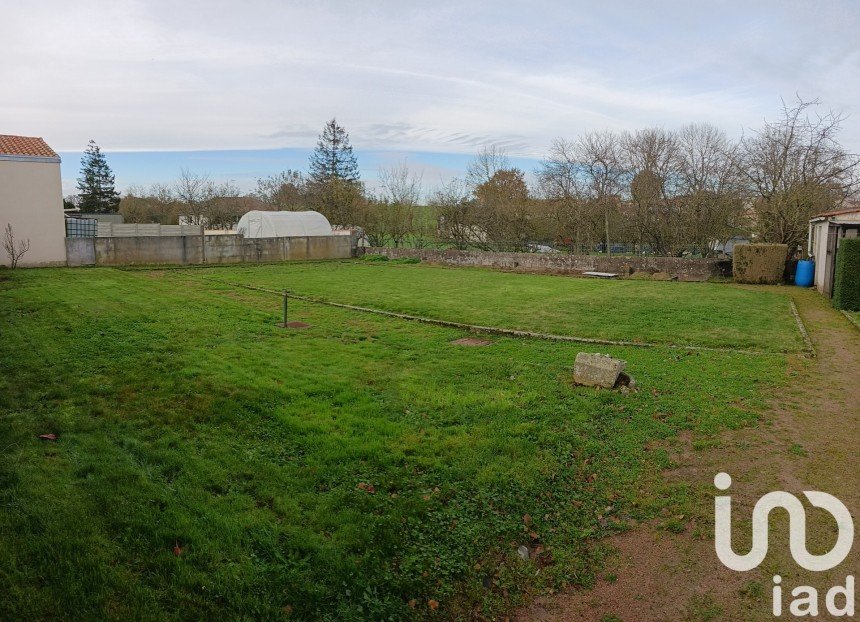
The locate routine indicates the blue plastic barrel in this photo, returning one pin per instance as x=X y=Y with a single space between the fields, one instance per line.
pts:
x=805 y=273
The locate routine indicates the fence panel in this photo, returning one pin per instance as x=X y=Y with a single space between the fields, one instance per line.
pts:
x=81 y=227
x=131 y=230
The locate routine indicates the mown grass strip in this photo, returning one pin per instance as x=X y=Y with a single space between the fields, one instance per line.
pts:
x=703 y=314
x=509 y=332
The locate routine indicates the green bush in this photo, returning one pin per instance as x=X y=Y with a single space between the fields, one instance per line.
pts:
x=374 y=257
x=846 y=290
x=759 y=263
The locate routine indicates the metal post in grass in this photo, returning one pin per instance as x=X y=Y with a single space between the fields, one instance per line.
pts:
x=287 y=323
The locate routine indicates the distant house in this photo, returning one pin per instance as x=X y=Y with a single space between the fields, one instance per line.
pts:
x=728 y=247
x=31 y=199
x=825 y=232
x=116 y=219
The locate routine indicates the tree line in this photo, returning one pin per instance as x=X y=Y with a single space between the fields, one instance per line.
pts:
x=655 y=190
x=659 y=191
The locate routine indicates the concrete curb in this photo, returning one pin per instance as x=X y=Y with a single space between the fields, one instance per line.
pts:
x=810 y=348
x=850 y=318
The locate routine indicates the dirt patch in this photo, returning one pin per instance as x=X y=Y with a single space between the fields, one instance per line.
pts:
x=294 y=325
x=471 y=341
x=643 y=585
x=807 y=441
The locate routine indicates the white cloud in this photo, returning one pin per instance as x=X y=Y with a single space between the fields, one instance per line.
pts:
x=441 y=76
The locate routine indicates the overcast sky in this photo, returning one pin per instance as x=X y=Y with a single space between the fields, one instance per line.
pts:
x=443 y=77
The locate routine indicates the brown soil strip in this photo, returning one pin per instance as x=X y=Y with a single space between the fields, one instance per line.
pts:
x=807 y=441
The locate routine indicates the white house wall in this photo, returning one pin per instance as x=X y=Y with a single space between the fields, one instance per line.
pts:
x=31 y=199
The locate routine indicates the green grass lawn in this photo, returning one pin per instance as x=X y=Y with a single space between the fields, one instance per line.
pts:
x=355 y=470
x=703 y=314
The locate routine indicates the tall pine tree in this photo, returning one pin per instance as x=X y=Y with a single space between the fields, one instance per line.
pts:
x=334 y=184
x=97 y=194
x=333 y=158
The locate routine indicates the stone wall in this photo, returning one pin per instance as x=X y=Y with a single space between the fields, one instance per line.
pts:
x=683 y=269
x=214 y=249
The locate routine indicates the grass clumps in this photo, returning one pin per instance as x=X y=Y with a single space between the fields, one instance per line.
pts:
x=211 y=465
x=378 y=258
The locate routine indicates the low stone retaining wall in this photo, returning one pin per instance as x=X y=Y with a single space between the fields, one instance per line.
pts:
x=210 y=249
x=683 y=269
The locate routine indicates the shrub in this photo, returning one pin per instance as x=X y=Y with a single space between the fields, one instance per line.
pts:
x=759 y=263
x=846 y=289
x=374 y=257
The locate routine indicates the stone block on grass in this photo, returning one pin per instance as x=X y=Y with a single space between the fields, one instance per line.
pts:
x=597 y=370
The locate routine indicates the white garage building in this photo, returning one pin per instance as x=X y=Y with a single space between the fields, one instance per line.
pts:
x=825 y=233
x=31 y=199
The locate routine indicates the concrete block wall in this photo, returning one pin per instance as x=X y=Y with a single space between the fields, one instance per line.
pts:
x=237 y=249
x=214 y=249
x=684 y=269
x=80 y=252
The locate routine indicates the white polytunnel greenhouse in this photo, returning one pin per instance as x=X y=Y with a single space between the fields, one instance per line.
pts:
x=259 y=224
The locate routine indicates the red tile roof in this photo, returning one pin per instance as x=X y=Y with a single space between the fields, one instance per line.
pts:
x=838 y=212
x=25 y=146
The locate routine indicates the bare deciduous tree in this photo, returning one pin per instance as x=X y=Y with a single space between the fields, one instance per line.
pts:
x=560 y=184
x=203 y=202
x=651 y=163
x=599 y=154
x=455 y=211
x=225 y=206
x=795 y=167
x=400 y=185
x=713 y=198
x=485 y=164
x=192 y=192
x=154 y=204
x=286 y=190
x=391 y=216
x=15 y=249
